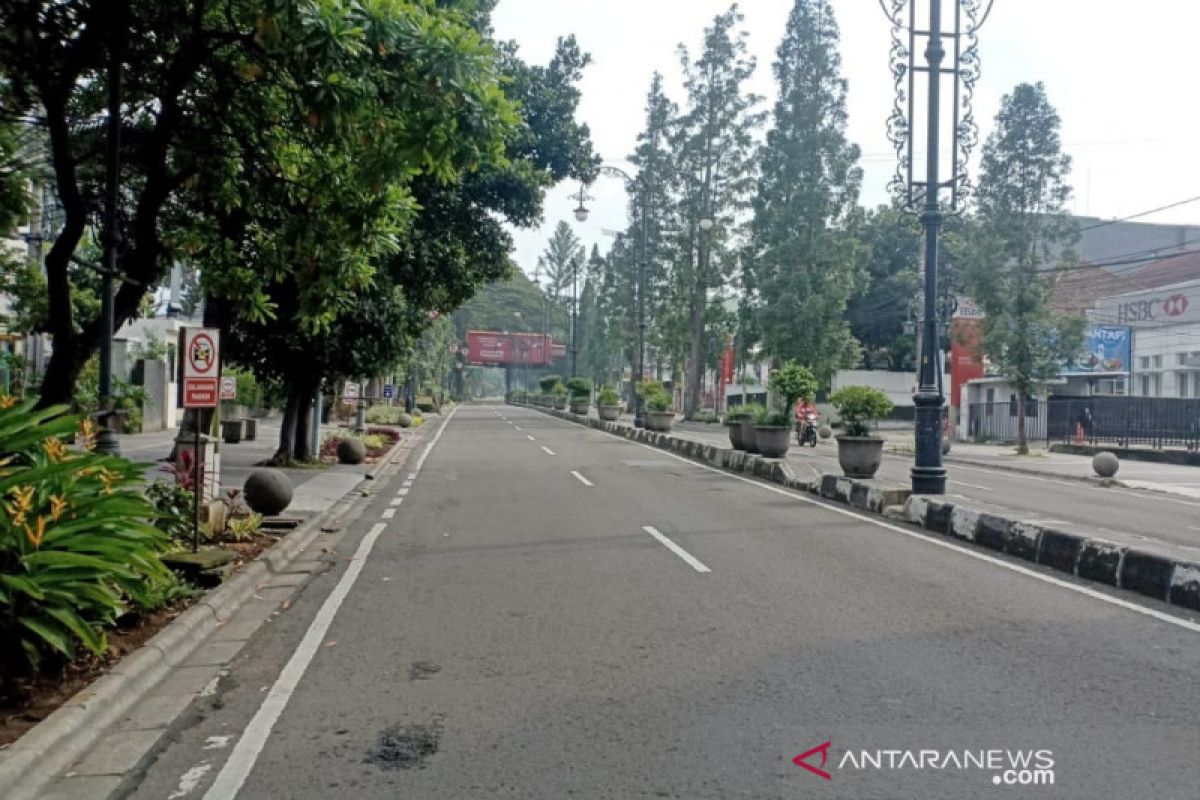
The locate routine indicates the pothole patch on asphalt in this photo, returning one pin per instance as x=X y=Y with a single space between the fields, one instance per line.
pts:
x=423 y=670
x=404 y=746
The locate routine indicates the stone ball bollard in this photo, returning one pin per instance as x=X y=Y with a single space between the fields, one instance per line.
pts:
x=267 y=492
x=404 y=420
x=351 y=451
x=1106 y=464
x=825 y=431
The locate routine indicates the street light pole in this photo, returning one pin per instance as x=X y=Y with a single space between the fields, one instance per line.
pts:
x=928 y=475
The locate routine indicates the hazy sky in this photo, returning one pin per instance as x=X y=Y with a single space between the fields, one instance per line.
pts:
x=1121 y=75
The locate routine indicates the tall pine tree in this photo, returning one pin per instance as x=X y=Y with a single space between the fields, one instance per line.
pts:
x=714 y=149
x=805 y=263
x=1024 y=233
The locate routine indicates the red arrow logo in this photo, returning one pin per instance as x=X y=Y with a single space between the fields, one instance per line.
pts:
x=823 y=749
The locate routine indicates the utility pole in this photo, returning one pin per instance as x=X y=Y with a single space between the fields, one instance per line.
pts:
x=106 y=441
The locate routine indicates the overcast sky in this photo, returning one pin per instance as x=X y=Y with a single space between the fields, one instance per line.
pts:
x=1121 y=75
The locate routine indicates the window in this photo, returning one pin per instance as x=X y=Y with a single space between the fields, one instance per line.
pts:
x=1145 y=386
x=1181 y=383
x=1158 y=362
x=1181 y=358
x=1145 y=362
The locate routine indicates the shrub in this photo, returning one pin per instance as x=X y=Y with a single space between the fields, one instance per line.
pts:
x=659 y=401
x=650 y=386
x=559 y=391
x=608 y=397
x=174 y=506
x=858 y=405
x=580 y=388
x=77 y=543
x=775 y=418
x=548 y=382
x=384 y=415
x=794 y=382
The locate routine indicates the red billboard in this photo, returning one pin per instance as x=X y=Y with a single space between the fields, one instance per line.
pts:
x=494 y=349
x=966 y=339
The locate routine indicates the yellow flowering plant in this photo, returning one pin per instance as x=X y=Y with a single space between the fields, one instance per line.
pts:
x=77 y=542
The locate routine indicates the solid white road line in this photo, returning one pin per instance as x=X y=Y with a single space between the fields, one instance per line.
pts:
x=582 y=479
x=1186 y=624
x=245 y=753
x=692 y=561
x=388 y=513
x=549 y=452
x=972 y=485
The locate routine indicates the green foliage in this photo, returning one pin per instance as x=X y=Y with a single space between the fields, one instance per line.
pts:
x=858 y=406
x=548 y=382
x=77 y=540
x=892 y=241
x=242 y=528
x=384 y=415
x=128 y=398
x=794 y=382
x=174 y=508
x=580 y=388
x=1023 y=235
x=658 y=401
x=559 y=391
x=773 y=417
x=608 y=396
x=807 y=261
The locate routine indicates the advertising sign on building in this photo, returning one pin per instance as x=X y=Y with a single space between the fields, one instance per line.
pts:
x=1170 y=305
x=201 y=367
x=966 y=336
x=1106 y=350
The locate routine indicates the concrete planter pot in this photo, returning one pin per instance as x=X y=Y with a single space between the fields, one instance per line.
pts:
x=660 y=421
x=232 y=429
x=251 y=429
x=609 y=413
x=749 y=439
x=860 y=456
x=560 y=404
x=735 y=434
x=772 y=440
x=580 y=406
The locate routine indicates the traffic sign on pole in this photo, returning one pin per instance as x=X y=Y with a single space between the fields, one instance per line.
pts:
x=201 y=370
x=389 y=391
x=350 y=391
x=228 y=388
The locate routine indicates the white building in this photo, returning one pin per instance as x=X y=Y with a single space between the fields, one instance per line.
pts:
x=1166 y=337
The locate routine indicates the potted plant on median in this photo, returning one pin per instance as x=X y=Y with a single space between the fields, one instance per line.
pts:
x=608 y=404
x=860 y=453
x=733 y=422
x=559 y=394
x=659 y=414
x=772 y=433
x=749 y=419
x=581 y=394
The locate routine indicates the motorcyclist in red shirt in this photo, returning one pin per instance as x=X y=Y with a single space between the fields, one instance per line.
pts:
x=807 y=417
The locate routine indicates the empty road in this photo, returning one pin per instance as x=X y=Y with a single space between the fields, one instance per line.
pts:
x=548 y=611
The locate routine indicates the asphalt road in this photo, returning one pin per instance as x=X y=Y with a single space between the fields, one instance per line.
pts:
x=554 y=612
x=1148 y=519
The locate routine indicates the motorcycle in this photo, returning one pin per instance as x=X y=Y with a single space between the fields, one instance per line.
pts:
x=806 y=430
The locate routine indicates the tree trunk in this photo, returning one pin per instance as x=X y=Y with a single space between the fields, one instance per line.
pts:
x=1022 y=435
x=305 y=419
x=287 y=432
x=691 y=398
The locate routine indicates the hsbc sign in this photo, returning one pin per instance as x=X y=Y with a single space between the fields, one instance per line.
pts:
x=1146 y=310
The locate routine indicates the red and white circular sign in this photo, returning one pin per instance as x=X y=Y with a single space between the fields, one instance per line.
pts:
x=202 y=354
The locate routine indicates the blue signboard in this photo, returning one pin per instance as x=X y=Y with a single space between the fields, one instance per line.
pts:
x=389 y=391
x=1106 y=350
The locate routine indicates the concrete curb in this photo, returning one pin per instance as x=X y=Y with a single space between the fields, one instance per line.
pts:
x=1169 y=580
x=1094 y=480
x=70 y=731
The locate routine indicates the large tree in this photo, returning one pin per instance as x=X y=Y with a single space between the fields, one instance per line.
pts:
x=561 y=261
x=1023 y=233
x=714 y=146
x=877 y=314
x=805 y=262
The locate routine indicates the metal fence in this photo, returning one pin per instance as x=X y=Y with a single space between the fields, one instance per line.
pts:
x=998 y=421
x=1155 y=421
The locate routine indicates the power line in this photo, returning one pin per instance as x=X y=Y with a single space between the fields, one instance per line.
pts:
x=1141 y=214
